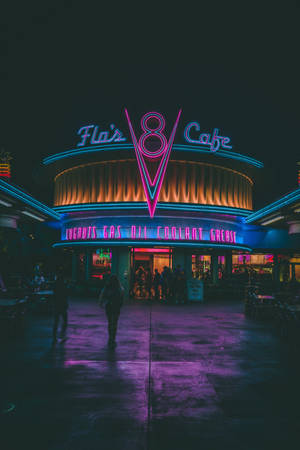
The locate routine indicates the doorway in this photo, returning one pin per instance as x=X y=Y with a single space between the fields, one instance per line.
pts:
x=143 y=263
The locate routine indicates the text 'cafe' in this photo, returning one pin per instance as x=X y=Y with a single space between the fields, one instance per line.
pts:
x=160 y=191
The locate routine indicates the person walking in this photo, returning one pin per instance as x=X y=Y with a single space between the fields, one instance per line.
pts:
x=60 y=306
x=111 y=298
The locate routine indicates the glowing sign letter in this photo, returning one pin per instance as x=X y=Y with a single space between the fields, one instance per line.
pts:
x=151 y=186
x=85 y=135
x=133 y=232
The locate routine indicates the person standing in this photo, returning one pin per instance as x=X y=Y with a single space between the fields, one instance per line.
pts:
x=111 y=298
x=156 y=284
x=60 y=306
x=148 y=283
x=165 y=284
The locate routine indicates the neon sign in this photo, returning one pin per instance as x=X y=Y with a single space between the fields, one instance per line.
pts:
x=159 y=233
x=91 y=133
x=152 y=185
x=214 y=142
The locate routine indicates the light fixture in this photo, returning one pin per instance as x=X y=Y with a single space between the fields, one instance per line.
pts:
x=33 y=216
x=274 y=219
x=2 y=202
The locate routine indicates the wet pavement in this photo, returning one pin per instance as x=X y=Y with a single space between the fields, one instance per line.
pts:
x=181 y=377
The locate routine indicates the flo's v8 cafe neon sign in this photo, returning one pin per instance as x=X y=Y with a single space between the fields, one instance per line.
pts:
x=153 y=130
x=94 y=135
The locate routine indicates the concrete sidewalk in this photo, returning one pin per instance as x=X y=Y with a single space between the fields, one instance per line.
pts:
x=181 y=377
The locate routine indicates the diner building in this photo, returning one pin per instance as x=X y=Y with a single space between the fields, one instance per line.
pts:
x=146 y=197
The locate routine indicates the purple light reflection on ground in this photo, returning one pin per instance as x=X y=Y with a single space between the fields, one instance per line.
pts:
x=200 y=376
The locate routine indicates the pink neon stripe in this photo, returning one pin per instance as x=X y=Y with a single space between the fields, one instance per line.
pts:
x=164 y=161
x=167 y=156
x=137 y=157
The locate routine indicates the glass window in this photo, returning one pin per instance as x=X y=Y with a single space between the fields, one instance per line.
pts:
x=101 y=263
x=201 y=265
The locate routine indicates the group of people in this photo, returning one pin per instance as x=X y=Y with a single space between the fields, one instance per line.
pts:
x=168 y=286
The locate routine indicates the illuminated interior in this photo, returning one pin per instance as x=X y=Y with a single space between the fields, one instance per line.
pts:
x=201 y=266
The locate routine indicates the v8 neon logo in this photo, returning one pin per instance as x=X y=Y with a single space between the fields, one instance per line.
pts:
x=152 y=186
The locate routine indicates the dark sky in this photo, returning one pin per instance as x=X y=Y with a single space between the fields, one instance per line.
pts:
x=78 y=63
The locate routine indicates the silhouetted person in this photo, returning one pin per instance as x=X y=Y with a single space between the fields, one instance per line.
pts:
x=148 y=283
x=60 y=305
x=165 y=283
x=156 y=283
x=111 y=298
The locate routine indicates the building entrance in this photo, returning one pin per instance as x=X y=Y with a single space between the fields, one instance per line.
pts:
x=144 y=263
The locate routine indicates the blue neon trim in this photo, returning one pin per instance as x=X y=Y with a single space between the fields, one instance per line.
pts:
x=283 y=201
x=28 y=199
x=145 y=243
x=176 y=147
x=224 y=153
x=143 y=205
x=95 y=148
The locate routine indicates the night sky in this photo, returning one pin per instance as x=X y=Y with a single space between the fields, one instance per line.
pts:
x=80 y=63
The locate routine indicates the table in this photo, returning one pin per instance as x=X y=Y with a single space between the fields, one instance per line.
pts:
x=44 y=293
x=11 y=301
x=266 y=297
x=294 y=308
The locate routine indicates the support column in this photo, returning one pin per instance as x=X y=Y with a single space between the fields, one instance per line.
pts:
x=275 y=269
x=293 y=272
x=121 y=266
x=188 y=264
x=179 y=258
x=74 y=266
x=88 y=254
x=228 y=265
x=214 y=268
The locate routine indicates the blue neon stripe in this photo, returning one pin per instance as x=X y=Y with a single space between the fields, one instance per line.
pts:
x=224 y=153
x=94 y=148
x=145 y=243
x=176 y=147
x=283 y=201
x=28 y=199
x=143 y=205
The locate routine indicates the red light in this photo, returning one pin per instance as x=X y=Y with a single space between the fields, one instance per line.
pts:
x=151 y=250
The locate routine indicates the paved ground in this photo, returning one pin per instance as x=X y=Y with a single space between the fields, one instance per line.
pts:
x=181 y=377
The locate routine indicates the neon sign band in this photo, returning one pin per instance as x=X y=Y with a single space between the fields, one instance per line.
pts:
x=214 y=142
x=151 y=186
x=159 y=233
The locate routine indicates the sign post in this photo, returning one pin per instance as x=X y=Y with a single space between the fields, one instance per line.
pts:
x=195 y=290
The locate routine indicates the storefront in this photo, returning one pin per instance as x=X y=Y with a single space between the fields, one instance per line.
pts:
x=143 y=197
